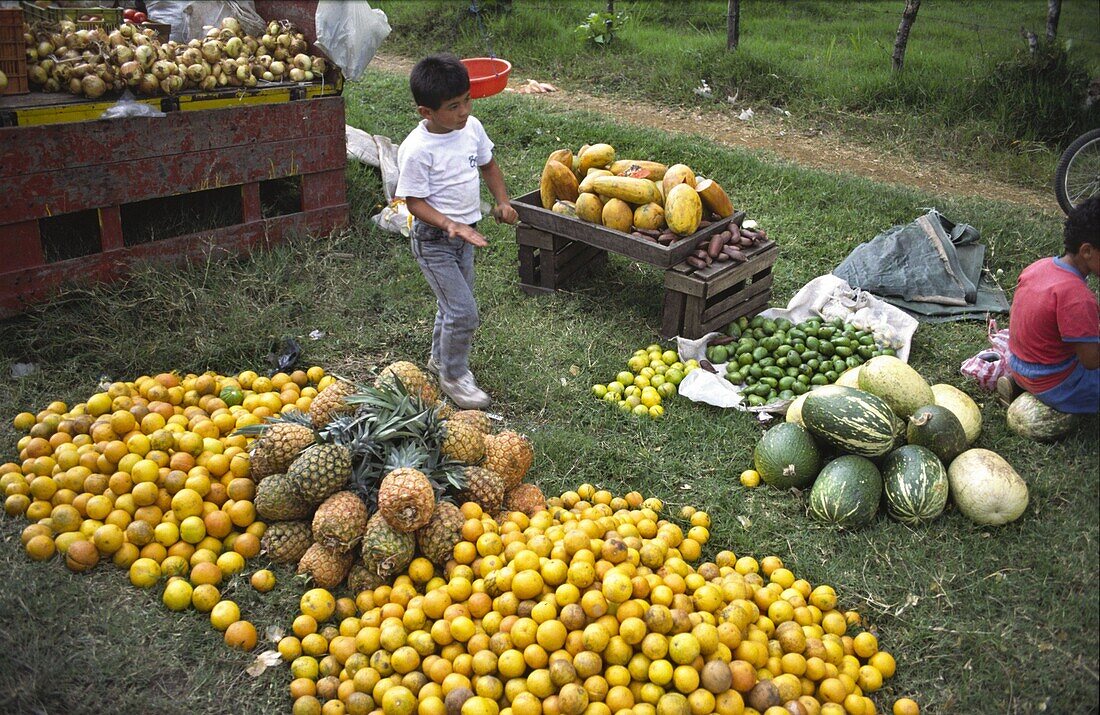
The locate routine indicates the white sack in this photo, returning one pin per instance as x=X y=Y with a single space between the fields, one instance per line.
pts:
x=349 y=33
x=189 y=18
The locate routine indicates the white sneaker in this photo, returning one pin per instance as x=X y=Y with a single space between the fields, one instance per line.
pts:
x=433 y=366
x=464 y=392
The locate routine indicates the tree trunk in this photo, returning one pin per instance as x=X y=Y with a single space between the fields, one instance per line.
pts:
x=908 y=16
x=1054 y=10
x=608 y=24
x=733 y=24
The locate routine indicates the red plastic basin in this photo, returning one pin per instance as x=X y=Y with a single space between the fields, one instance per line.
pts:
x=488 y=75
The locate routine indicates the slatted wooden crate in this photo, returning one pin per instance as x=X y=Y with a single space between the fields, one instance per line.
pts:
x=698 y=301
x=76 y=198
x=548 y=262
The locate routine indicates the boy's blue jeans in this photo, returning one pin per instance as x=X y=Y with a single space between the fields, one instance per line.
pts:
x=448 y=265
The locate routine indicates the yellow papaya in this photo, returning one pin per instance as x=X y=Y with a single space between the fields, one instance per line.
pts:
x=562 y=180
x=586 y=182
x=634 y=191
x=655 y=168
x=565 y=208
x=564 y=156
x=683 y=209
x=649 y=216
x=678 y=174
x=616 y=214
x=597 y=156
x=590 y=208
x=714 y=198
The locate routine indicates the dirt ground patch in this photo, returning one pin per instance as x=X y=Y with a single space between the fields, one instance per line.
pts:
x=768 y=132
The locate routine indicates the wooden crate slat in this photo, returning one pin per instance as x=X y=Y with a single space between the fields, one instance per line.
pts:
x=746 y=309
x=672 y=313
x=32 y=150
x=527 y=235
x=21 y=246
x=527 y=272
x=754 y=266
x=715 y=308
x=582 y=264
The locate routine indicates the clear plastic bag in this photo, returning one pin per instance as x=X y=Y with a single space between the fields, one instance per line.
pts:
x=128 y=106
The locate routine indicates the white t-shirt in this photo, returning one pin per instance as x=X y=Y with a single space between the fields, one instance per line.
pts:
x=443 y=169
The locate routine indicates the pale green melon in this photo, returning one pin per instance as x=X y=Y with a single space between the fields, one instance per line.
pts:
x=964 y=408
x=894 y=381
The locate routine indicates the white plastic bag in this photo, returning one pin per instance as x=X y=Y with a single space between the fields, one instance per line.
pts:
x=189 y=18
x=349 y=33
x=374 y=150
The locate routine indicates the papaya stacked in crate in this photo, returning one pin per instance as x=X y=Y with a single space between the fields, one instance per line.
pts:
x=644 y=198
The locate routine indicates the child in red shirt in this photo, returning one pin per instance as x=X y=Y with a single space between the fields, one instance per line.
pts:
x=1054 y=326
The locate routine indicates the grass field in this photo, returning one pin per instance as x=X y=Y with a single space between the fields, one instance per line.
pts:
x=981 y=620
x=964 y=95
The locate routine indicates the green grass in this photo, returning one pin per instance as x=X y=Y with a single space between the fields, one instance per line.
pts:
x=981 y=620
x=966 y=95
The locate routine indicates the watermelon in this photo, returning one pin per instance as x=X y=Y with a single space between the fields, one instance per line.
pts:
x=787 y=456
x=916 y=484
x=938 y=429
x=847 y=492
x=1031 y=419
x=852 y=420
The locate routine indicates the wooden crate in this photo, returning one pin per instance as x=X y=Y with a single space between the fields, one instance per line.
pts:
x=13 y=51
x=548 y=263
x=105 y=173
x=698 y=301
x=530 y=210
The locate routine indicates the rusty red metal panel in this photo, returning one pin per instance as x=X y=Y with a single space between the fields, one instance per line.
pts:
x=20 y=246
x=250 y=203
x=325 y=188
x=22 y=288
x=110 y=228
x=35 y=149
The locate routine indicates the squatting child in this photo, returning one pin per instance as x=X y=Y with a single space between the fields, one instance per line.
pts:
x=439 y=165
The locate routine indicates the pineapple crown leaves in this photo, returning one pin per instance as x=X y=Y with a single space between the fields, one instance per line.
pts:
x=292 y=417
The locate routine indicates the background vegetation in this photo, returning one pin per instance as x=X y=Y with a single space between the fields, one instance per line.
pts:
x=970 y=91
x=981 y=620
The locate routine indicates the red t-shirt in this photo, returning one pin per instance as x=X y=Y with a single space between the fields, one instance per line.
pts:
x=1053 y=308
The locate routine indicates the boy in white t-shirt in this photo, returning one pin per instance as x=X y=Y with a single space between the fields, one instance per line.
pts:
x=439 y=165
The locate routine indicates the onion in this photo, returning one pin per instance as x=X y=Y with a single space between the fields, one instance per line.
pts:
x=319 y=65
x=208 y=83
x=273 y=28
x=268 y=41
x=297 y=75
x=126 y=30
x=52 y=85
x=56 y=39
x=268 y=77
x=172 y=84
x=70 y=55
x=264 y=61
x=197 y=73
x=309 y=76
x=162 y=69
x=131 y=73
x=122 y=54
x=67 y=26
x=63 y=73
x=81 y=70
x=251 y=45
x=3 y=81
x=32 y=55
x=116 y=38
x=93 y=86
x=47 y=64
x=149 y=84
x=231 y=24
x=298 y=45
x=212 y=51
x=75 y=86
x=80 y=39
x=280 y=54
x=233 y=47
x=44 y=48
x=243 y=72
x=284 y=40
x=190 y=56
x=145 y=56
x=277 y=68
x=223 y=79
x=213 y=32
x=302 y=62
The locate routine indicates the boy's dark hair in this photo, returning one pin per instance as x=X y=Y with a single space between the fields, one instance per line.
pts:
x=437 y=78
x=1083 y=226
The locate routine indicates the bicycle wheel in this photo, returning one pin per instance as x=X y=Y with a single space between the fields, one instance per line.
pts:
x=1077 y=177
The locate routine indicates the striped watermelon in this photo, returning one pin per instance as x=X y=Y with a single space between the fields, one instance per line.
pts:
x=915 y=483
x=847 y=492
x=851 y=420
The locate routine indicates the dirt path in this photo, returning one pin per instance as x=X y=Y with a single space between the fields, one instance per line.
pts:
x=767 y=132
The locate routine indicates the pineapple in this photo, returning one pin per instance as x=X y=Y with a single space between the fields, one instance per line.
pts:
x=360 y=578
x=412 y=378
x=386 y=551
x=278 y=442
x=477 y=418
x=438 y=537
x=285 y=542
x=330 y=402
x=277 y=499
x=406 y=499
x=526 y=498
x=445 y=410
x=509 y=454
x=320 y=471
x=485 y=487
x=340 y=521
x=327 y=567
x=462 y=442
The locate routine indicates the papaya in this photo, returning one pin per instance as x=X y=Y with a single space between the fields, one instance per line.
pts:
x=597 y=156
x=565 y=208
x=649 y=216
x=678 y=174
x=617 y=215
x=590 y=208
x=586 y=182
x=714 y=198
x=562 y=182
x=655 y=168
x=564 y=156
x=634 y=191
x=683 y=209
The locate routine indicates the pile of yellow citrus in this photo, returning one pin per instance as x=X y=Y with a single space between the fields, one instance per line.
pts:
x=590 y=607
x=652 y=375
x=149 y=476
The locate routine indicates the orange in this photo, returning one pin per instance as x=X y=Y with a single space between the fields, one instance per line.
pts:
x=241 y=635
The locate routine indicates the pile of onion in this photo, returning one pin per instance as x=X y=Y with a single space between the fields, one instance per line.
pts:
x=90 y=63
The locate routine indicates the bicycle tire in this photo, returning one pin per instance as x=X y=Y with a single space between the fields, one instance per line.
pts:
x=1070 y=187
